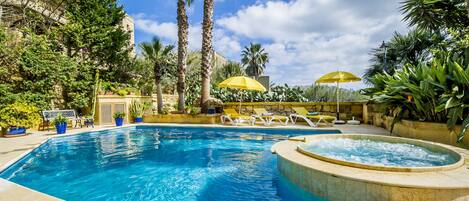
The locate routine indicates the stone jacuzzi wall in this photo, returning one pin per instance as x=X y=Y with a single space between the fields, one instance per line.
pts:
x=336 y=188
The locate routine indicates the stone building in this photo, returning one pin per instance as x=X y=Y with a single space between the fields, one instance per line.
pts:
x=13 y=12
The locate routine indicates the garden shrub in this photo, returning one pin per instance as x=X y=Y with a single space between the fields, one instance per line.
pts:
x=19 y=115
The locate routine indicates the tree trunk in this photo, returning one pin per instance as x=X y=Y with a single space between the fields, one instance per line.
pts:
x=159 y=98
x=207 y=53
x=159 y=94
x=183 y=26
x=3 y=131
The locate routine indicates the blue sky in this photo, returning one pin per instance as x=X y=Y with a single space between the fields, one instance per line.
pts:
x=304 y=38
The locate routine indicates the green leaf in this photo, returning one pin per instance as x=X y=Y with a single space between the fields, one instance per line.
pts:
x=465 y=125
x=454 y=115
x=452 y=102
x=397 y=118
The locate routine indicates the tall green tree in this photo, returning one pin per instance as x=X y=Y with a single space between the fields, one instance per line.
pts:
x=207 y=52
x=37 y=73
x=436 y=14
x=254 y=59
x=141 y=70
x=183 y=34
x=161 y=56
x=95 y=33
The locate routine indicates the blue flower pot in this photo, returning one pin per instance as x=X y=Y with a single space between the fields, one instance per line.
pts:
x=119 y=121
x=138 y=119
x=16 y=131
x=61 y=128
x=211 y=111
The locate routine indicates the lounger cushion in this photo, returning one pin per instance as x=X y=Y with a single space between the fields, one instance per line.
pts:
x=241 y=117
x=280 y=117
x=325 y=117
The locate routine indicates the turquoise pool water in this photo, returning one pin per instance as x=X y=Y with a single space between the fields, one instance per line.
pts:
x=160 y=163
x=380 y=153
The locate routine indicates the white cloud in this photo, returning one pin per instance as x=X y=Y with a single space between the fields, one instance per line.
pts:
x=308 y=38
x=223 y=43
x=305 y=38
x=163 y=30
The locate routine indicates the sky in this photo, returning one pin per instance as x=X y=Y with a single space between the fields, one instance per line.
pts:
x=304 y=38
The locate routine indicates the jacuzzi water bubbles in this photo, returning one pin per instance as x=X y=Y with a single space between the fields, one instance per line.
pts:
x=379 y=152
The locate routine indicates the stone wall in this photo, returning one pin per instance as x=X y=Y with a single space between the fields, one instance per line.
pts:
x=37 y=6
x=347 y=109
x=182 y=119
x=431 y=131
x=128 y=25
x=168 y=99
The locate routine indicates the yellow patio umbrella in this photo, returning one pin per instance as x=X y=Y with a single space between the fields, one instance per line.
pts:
x=242 y=83
x=338 y=77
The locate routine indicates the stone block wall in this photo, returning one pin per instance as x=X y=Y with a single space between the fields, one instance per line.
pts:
x=347 y=110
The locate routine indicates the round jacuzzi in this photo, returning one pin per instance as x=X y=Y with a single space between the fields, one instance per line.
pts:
x=381 y=153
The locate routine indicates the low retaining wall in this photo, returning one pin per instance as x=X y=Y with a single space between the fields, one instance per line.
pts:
x=347 y=109
x=182 y=119
x=435 y=132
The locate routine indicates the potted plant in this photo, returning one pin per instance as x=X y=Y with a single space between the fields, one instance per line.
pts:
x=137 y=109
x=60 y=123
x=119 y=118
x=17 y=117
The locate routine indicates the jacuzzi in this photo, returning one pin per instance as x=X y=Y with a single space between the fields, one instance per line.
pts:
x=374 y=167
x=377 y=152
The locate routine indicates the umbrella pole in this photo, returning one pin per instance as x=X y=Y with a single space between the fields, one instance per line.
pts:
x=240 y=100
x=338 y=114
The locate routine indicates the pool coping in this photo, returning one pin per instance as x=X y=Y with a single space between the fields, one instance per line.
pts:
x=44 y=196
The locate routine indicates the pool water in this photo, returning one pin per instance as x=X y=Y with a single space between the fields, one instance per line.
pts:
x=378 y=153
x=160 y=163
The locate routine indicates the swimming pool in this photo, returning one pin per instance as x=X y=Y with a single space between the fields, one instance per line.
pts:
x=160 y=163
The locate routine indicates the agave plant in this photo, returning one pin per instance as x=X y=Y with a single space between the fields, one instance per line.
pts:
x=137 y=108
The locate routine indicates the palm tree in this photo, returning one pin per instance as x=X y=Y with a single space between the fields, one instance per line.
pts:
x=228 y=70
x=161 y=56
x=436 y=14
x=411 y=48
x=254 y=59
x=183 y=34
x=207 y=53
